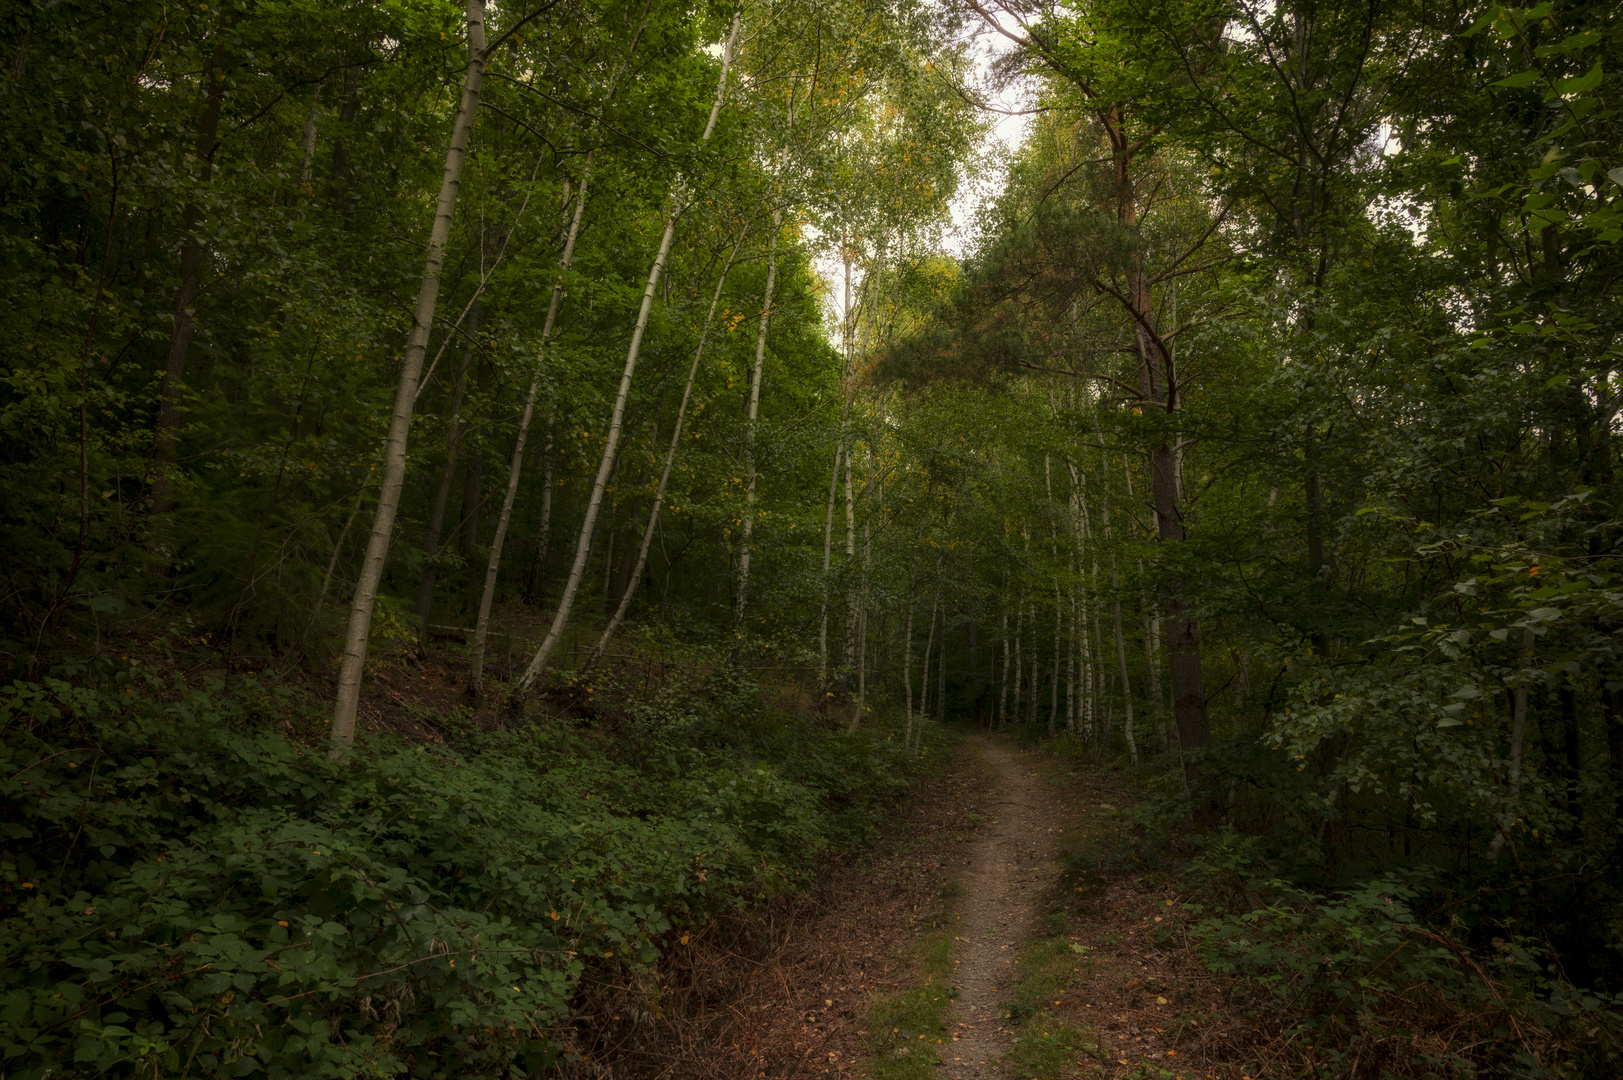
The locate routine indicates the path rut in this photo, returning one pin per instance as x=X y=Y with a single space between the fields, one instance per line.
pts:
x=1009 y=868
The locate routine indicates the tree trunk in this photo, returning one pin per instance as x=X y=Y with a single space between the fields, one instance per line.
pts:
x=862 y=622
x=907 y=670
x=487 y=595
x=941 y=685
x=453 y=456
x=1003 y=692
x=611 y=443
x=1019 y=666
x=665 y=472
x=828 y=546
x=473 y=498
x=543 y=530
x=747 y=527
x=924 y=674
x=1128 y=734
x=394 y=459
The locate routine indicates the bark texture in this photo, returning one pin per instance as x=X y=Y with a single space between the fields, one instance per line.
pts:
x=342 y=730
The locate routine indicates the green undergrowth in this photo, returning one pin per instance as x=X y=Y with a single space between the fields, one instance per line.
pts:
x=1043 y=1045
x=184 y=890
x=908 y=1027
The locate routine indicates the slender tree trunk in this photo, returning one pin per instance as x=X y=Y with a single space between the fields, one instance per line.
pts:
x=907 y=669
x=828 y=546
x=1036 y=687
x=941 y=667
x=850 y=557
x=1152 y=631
x=1053 y=683
x=1019 y=668
x=442 y=494
x=543 y=530
x=394 y=459
x=611 y=444
x=848 y=443
x=337 y=552
x=862 y=672
x=307 y=143
x=487 y=595
x=1152 y=663
x=473 y=498
x=924 y=674
x=1003 y=693
x=665 y=472
x=167 y=435
x=1128 y=735
x=747 y=527
x=862 y=621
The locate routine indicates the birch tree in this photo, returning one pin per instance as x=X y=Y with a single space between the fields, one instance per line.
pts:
x=342 y=730
x=594 y=504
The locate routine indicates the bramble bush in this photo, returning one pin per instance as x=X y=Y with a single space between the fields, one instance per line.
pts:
x=187 y=891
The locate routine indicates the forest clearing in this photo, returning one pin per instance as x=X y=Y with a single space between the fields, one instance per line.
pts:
x=773 y=538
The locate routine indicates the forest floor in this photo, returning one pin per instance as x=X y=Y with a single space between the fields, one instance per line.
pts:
x=1007 y=925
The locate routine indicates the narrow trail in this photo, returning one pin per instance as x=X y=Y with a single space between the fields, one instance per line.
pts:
x=1008 y=870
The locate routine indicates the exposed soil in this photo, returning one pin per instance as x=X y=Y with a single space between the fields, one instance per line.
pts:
x=1011 y=870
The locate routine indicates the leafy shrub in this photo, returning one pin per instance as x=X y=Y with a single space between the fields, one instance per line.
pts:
x=184 y=889
x=1357 y=975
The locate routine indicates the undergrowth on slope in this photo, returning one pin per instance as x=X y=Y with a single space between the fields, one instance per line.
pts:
x=185 y=890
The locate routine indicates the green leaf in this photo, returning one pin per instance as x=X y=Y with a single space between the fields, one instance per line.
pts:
x=1520 y=79
x=1583 y=84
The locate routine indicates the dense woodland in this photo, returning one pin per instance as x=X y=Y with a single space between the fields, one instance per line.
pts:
x=615 y=371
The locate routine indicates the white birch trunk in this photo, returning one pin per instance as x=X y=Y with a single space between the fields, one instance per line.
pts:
x=1059 y=643
x=611 y=444
x=828 y=550
x=487 y=596
x=1128 y=734
x=907 y=670
x=1036 y=687
x=665 y=472
x=747 y=527
x=442 y=493
x=544 y=529
x=347 y=700
x=862 y=621
x=924 y=675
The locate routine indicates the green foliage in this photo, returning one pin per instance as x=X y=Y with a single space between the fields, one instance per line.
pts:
x=1359 y=973
x=907 y=1028
x=186 y=889
x=1043 y=1045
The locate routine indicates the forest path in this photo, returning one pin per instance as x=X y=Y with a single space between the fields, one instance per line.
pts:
x=1010 y=867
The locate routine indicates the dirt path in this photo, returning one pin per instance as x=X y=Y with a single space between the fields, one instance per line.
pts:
x=1009 y=869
